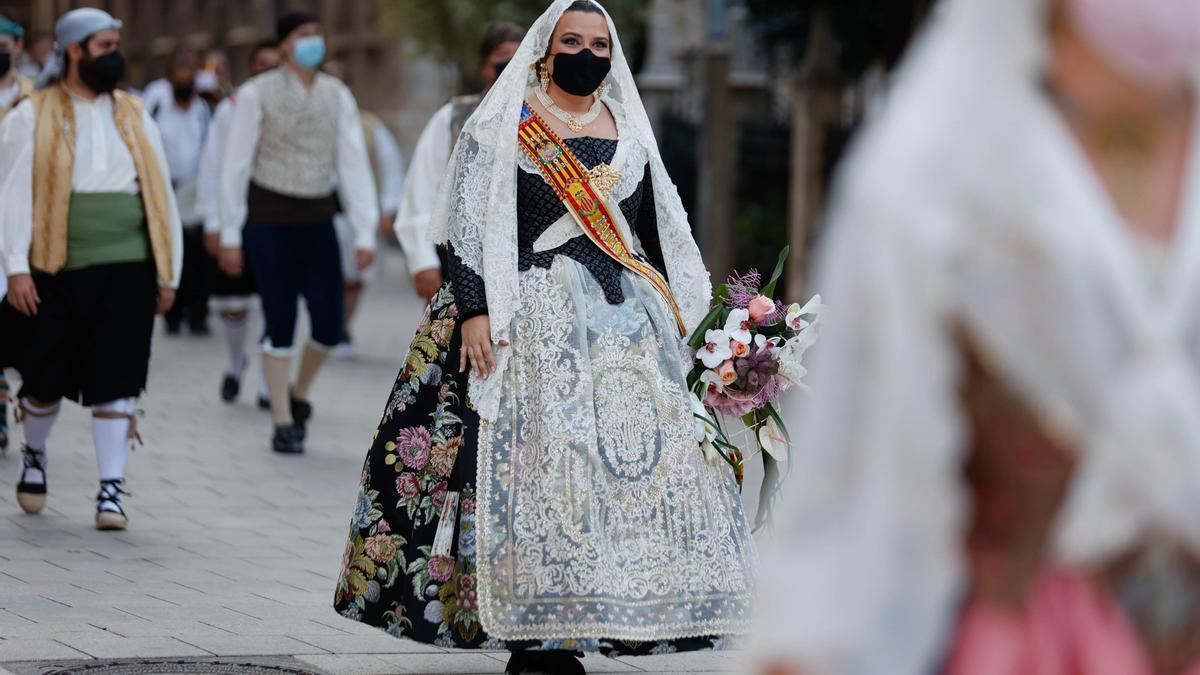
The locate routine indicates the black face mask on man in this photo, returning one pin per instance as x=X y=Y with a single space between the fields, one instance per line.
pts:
x=5 y=63
x=101 y=74
x=183 y=91
x=581 y=73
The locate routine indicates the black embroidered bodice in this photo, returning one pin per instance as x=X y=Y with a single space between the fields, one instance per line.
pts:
x=538 y=207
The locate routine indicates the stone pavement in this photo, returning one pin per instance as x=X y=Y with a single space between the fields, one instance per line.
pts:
x=232 y=550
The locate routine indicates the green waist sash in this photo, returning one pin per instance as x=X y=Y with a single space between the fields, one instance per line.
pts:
x=105 y=227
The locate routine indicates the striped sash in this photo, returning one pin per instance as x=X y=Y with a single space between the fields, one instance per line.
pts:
x=573 y=185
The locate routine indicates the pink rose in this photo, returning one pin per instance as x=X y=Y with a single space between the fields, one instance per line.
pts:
x=727 y=373
x=739 y=349
x=760 y=307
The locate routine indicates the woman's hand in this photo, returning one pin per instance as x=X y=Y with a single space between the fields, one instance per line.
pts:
x=477 y=346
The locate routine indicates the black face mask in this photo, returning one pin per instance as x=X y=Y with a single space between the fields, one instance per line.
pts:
x=499 y=68
x=102 y=73
x=183 y=92
x=581 y=73
x=5 y=63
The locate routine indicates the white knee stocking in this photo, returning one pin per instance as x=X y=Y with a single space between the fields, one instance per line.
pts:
x=110 y=432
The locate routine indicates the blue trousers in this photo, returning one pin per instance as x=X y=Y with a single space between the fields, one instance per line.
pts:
x=293 y=261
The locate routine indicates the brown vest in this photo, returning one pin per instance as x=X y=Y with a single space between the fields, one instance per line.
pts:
x=53 y=168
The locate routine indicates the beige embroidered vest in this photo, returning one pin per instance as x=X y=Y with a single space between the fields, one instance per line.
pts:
x=53 y=168
x=297 y=144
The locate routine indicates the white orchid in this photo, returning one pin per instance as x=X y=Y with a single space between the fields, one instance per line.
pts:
x=762 y=341
x=773 y=442
x=796 y=313
x=706 y=431
x=737 y=327
x=711 y=378
x=715 y=350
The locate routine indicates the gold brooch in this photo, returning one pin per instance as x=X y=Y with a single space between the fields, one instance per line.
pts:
x=604 y=179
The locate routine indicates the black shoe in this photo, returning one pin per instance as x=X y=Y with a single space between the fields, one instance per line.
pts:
x=174 y=327
x=302 y=412
x=264 y=403
x=3 y=428
x=110 y=515
x=548 y=662
x=288 y=439
x=230 y=387
x=31 y=497
x=199 y=328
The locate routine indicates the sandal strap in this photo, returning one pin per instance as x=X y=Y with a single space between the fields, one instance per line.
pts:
x=132 y=417
x=111 y=491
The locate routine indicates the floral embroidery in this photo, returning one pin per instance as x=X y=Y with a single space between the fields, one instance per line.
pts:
x=389 y=576
x=412 y=447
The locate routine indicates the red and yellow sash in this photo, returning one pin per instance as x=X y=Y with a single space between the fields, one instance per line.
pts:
x=571 y=182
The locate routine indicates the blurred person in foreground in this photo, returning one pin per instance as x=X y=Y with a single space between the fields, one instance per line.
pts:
x=999 y=470
x=232 y=297
x=432 y=155
x=91 y=241
x=544 y=401
x=295 y=152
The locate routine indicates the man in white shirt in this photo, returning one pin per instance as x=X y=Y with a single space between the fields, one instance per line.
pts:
x=232 y=296
x=432 y=155
x=293 y=128
x=387 y=167
x=91 y=242
x=13 y=88
x=183 y=121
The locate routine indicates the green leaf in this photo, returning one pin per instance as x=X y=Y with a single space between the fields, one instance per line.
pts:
x=769 y=491
x=709 y=321
x=769 y=289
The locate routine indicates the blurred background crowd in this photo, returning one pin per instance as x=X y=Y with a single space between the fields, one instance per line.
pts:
x=753 y=100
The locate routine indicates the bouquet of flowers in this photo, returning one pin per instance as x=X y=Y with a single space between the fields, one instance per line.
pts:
x=748 y=351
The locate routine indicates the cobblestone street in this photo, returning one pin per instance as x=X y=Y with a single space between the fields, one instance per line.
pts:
x=232 y=551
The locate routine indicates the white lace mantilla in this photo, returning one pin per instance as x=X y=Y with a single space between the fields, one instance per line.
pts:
x=476 y=210
x=597 y=515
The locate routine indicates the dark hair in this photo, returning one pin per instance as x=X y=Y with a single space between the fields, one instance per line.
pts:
x=498 y=33
x=260 y=46
x=584 y=6
x=291 y=21
x=184 y=57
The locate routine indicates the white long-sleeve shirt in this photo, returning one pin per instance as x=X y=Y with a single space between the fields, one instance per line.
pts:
x=183 y=131
x=429 y=162
x=391 y=168
x=102 y=164
x=354 y=181
x=208 y=180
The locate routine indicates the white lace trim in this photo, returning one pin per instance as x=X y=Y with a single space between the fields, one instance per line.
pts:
x=597 y=515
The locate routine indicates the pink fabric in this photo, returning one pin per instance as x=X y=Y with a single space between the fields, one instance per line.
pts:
x=1154 y=41
x=1069 y=627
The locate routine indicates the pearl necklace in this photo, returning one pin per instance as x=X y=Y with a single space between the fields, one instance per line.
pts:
x=574 y=123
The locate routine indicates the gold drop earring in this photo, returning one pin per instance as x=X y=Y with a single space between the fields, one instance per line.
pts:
x=544 y=77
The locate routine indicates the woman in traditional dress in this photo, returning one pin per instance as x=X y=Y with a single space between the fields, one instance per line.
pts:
x=556 y=500
x=999 y=472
